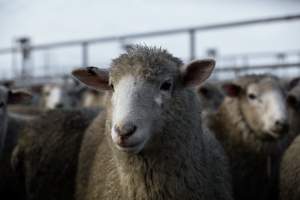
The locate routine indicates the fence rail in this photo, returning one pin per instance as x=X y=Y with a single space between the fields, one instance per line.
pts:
x=190 y=31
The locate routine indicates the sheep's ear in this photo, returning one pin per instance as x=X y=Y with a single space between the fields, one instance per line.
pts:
x=231 y=89
x=18 y=96
x=196 y=72
x=93 y=77
x=293 y=83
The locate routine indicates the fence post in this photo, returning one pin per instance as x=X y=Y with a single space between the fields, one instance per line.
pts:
x=15 y=72
x=85 y=53
x=24 y=44
x=192 y=38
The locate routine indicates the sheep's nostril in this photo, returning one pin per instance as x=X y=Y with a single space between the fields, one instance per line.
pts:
x=125 y=130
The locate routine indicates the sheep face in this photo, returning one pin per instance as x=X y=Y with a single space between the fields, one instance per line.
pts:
x=144 y=90
x=52 y=96
x=57 y=96
x=262 y=105
x=137 y=109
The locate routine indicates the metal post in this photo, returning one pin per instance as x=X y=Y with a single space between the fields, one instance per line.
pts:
x=14 y=63
x=25 y=48
x=245 y=60
x=192 y=44
x=46 y=62
x=85 y=54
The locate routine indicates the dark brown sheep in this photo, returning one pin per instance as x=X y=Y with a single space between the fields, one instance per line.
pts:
x=211 y=96
x=149 y=144
x=290 y=172
x=46 y=155
x=250 y=124
x=10 y=127
x=293 y=101
x=290 y=165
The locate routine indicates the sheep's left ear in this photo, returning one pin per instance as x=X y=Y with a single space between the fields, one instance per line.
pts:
x=18 y=96
x=196 y=72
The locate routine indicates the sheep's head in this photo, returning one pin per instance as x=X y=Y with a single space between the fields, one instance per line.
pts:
x=58 y=96
x=262 y=106
x=145 y=83
x=8 y=96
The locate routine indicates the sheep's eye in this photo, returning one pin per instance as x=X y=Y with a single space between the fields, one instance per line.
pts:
x=292 y=101
x=112 y=87
x=166 y=86
x=252 y=96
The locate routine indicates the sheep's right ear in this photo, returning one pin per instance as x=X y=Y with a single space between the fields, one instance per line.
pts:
x=231 y=89
x=93 y=77
x=293 y=83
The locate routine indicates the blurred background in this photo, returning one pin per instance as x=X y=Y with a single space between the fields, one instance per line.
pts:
x=42 y=41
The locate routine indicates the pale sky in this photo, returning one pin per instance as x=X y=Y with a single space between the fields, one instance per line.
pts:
x=62 y=20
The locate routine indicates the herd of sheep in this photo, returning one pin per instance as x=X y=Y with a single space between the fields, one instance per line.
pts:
x=156 y=129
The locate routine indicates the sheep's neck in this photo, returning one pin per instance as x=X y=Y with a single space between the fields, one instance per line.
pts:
x=162 y=175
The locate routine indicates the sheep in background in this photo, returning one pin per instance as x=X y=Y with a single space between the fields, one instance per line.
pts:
x=46 y=155
x=8 y=97
x=293 y=100
x=290 y=165
x=211 y=96
x=250 y=124
x=11 y=126
x=149 y=143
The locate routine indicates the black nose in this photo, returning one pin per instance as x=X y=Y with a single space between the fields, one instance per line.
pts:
x=125 y=130
x=281 y=125
x=59 y=105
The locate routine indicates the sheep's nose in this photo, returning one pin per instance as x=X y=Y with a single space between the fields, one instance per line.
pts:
x=126 y=130
x=281 y=125
x=59 y=105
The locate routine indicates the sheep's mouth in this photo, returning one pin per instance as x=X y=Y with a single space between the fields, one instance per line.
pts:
x=128 y=147
x=274 y=135
x=271 y=136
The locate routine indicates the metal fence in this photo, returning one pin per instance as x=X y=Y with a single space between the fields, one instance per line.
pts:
x=235 y=64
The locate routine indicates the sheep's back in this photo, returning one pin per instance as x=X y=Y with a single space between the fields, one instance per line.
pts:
x=290 y=172
x=47 y=154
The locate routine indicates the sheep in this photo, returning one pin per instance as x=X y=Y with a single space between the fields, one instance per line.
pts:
x=8 y=97
x=290 y=165
x=148 y=143
x=293 y=101
x=11 y=125
x=251 y=124
x=30 y=111
x=92 y=99
x=60 y=96
x=45 y=158
x=290 y=172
